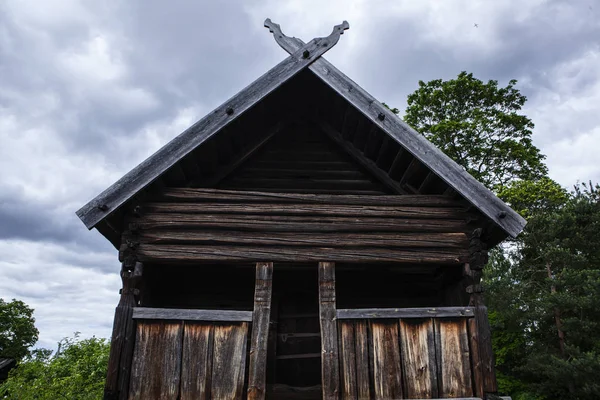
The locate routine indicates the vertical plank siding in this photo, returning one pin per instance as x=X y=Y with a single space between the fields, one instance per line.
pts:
x=348 y=360
x=412 y=358
x=156 y=368
x=418 y=358
x=362 y=358
x=196 y=361
x=386 y=356
x=188 y=360
x=453 y=353
x=229 y=361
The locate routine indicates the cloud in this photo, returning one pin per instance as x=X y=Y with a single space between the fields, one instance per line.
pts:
x=90 y=89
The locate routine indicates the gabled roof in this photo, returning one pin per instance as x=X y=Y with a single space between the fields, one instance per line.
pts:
x=305 y=57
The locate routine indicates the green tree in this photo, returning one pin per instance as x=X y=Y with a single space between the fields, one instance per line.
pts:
x=17 y=329
x=77 y=370
x=479 y=126
x=557 y=266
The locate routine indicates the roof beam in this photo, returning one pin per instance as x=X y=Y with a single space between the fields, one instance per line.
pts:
x=365 y=162
x=438 y=162
x=153 y=167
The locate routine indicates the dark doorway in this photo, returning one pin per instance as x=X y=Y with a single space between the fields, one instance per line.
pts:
x=294 y=365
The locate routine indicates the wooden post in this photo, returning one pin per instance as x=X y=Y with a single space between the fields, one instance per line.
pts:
x=123 y=335
x=330 y=377
x=481 y=336
x=260 y=331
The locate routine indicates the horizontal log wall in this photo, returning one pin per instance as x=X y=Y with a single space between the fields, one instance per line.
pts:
x=208 y=225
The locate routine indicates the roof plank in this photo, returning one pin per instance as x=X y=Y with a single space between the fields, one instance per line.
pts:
x=150 y=169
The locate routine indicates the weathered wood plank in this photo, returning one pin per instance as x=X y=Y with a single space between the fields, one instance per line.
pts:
x=305 y=209
x=196 y=360
x=237 y=196
x=454 y=361
x=387 y=369
x=295 y=223
x=156 y=367
x=418 y=358
x=330 y=379
x=439 y=163
x=191 y=315
x=284 y=184
x=367 y=239
x=486 y=353
x=348 y=365
x=361 y=338
x=476 y=365
x=190 y=254
x=260 y=331
x=418 y=312
x=229 y=361
x=154 y=166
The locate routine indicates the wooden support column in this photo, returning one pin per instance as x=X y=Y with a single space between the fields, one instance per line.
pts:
x=123 y=335
x=479 y=326
x=330 y=377
x=260 y=331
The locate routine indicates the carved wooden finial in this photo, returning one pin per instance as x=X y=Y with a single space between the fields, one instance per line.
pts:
x=328 y=41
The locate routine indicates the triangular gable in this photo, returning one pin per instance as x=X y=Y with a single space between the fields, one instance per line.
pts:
x=421 y=157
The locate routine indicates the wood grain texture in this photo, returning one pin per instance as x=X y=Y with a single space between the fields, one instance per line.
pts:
x=306 y=209
x=146 y=172
x=229 y=361
x=196 y=254
x=418 y=358
x=439 y=163
x=348 y=365
x=330 y=378
x=156 y=367
x=476 y=364
x=333 y=239
x=416 y=312
x=387 y=369
x=260 y=331
x=191 y=315
x=286 y=223
x=195 y=195
x=486 y=353
x=196 y=361
x=454 y=363
x=363 y=366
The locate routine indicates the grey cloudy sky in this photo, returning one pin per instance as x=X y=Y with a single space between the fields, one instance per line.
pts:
x=90 y=89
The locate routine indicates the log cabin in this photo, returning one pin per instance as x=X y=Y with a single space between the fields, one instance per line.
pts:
x=301 y=241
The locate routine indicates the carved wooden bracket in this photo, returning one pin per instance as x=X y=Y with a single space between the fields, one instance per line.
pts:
x=328 y=41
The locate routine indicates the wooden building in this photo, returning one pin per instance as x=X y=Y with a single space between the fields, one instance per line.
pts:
x=300 y=241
